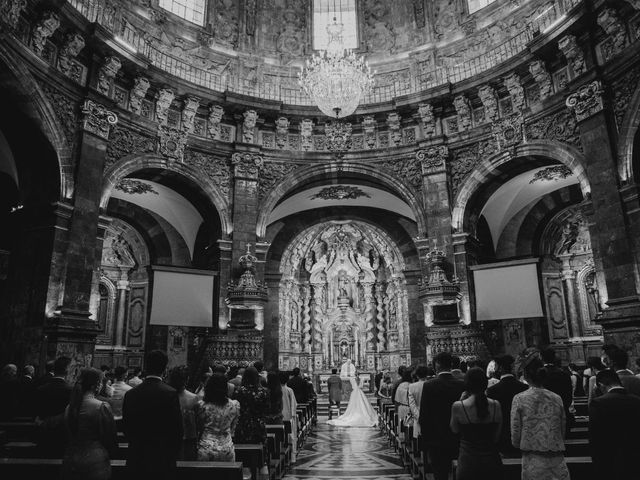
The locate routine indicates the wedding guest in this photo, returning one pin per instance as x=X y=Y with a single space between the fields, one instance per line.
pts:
x=153 y=423
x=178 y=377
x=438 y=394
x=401 y=399
x=576 y=381
x=595 y=365
x=8 y=391
x=619 y=362
x=259 y=366
x=217 y=419
x=203 y=382
x=398 y=380
x=311 y=393
x=384 y=392
x=614 y=423
x=455 y=368
x=478 y=420
x=507 y=387
x=237 y=380
x=48 y=374
x=26 y=393
x=135 y=380
x=91 y=430
x=334 y=385
x=52 y=400
x=254 y=403
x=219 y=368
x=289 y=408
x=558 y=381
x=538 y=426
x=119 y=389
x=298 y=385
x=274 y=414
x=491 y=372
x=415 y=396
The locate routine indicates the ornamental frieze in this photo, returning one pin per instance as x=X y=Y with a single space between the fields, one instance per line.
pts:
x=587 y=101
x=508 y=130
x=623 y=89
x=270 y=174
x=10 y=11
x=97 y=119
x=171 y=142
x=123 y=142
x=407 y=169
x=216 y=168
x=433 y=159
x=340 y=192
x=246 y=165
x=561 y=127
x=464 y=160
x=64 y=109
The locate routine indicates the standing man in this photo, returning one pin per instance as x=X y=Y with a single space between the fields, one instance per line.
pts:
x=619 y=362
x=334 y=384
x=299 y=386
x=504 y=391
x=120 y=387
x=614 y=423
x=558 y=381
x=415 y=396
x=153 y=423
x=438 y=395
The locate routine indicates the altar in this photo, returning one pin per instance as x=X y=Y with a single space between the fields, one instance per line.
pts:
x=367 y=384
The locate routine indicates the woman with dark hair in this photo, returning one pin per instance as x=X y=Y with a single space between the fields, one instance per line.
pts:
x=91 y=429
x=217 y=419
x=478 y=420
x=189 y=406
x=401 y=398
x=538 y=426
x=274 y=411
x=254 y=403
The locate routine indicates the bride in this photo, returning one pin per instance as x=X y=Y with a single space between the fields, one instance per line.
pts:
x=359 y=412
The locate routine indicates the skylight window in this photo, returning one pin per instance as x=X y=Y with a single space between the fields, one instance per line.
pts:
x=191 y=10
x=344 y=11
x=475 y=5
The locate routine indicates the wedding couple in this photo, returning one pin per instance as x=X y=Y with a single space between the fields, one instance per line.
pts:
x=359 y=412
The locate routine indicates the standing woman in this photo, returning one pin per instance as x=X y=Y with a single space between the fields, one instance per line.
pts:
x=538 y=427
x=91 y=429
x=274 y=412
x=217 y=419
x=478 y=420
x=401 y=399
x=254 y=404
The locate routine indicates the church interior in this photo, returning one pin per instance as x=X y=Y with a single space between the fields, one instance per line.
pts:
x=175 y=176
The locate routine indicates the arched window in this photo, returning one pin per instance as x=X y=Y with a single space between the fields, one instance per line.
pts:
x=191 y=10
x=475 y=5
x=344 y=11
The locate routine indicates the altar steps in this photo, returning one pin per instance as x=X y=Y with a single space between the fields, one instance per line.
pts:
x=323 y=404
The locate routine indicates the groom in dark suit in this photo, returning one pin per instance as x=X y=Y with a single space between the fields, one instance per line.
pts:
x=334 y=384
x=153 y=423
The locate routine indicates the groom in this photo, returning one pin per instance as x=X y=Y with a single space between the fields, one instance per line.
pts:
x=334 y=383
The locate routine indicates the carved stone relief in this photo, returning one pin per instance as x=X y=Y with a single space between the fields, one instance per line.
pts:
x=215 y=118
x=64 y=109
x=610 y=22
x=561 y=126
x=10 y=11
x=514 y=85
x=428 y=119
x=225 y=22
x=73 y=43
x=97 y=119
x=489 y=100
x=407 y=169
x=369 y=129
x=433 y=159
x=378 y=32
x=282 y=132
x=623 y=89
x=270 y=174
x=573 y=53
x=464 y=160
x=163 y=101
x=248 y=126
x=463 y=109
x=107 y=73
x=46 y=26
x=123 y=142
x=393 y=123
x=171 y=142
x=137 y=94
x=587 y=101
x=542 y=78
x=216 y=168
x=509 y=130
x=189 y=110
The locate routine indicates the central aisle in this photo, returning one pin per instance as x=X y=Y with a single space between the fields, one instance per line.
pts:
x=339 y=453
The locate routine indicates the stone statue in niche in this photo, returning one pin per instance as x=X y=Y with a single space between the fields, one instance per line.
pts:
x=593 y=295
x=574 y=238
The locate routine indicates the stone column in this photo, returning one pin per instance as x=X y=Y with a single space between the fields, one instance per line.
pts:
x=84 y=243
x=316 y=327
x=224 y=278
x=607 y=226
x=569 y=280
x=123 y=288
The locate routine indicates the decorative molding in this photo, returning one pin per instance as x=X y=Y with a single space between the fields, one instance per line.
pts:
x=282 y=132
x=191 y=104
x=610 y=22
x=561 y=126
x=573 y=53
x=509 y=130
x=270 y=174
x=489 y=99
x=48 y=24
x=369 y=130
x=73 y=43
x=463 y=109
x=514 y=86
x=171 y=142
x=10 y=11
x=393 y=123
x=215 y=118
x=246 y=165
x=587 y=101
x=134 y=186
x=107 y=73
x=164 y=97
x=340 y=192
x=306 y=134
x=249 y=125
x=64 y=108
x=433 y=159
x=465 y=159
x=123 y=142
x=542 y=78
x=97 y=119
x=428 y=119
x=216 y=168
x=137 y=94
x=623 y=89
x=338 y=137
x=554 y=173
x=406 y=169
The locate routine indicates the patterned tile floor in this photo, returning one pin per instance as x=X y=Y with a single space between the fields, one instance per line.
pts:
x=339 y=453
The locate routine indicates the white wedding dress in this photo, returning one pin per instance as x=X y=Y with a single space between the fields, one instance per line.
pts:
x=359 y=412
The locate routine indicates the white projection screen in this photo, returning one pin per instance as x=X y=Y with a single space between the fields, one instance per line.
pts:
x=507 y=290
x=182 y=297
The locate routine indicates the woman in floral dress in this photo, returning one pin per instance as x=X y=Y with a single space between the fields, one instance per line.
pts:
x=217 y=419
x=254 y=404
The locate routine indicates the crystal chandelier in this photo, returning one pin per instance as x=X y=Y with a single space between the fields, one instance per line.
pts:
x=336 y=79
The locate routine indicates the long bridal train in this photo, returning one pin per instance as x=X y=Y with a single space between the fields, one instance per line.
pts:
x=359 y=412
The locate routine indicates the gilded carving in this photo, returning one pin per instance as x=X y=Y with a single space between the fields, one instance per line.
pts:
x=189 y=110
x=428 y=119
x=463 y=109
x=10 y=11
x=489 y=100
x=270 y=174
x=73 y=43
x=171 y=142
x=248 y=126
x=107 y=73
x=137 y=94
x=48 y=24
x=542 y=78
x=215 y=118
x=164 y=97
x=215 y=167
x=514 y=86
x=338 y=135
x=246 y=165
x=573 y=53
x=97 y=119
x=587 y=101
x=553 y=173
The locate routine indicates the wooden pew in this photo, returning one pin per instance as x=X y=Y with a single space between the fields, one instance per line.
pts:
x=51 y=468
x=252 y=455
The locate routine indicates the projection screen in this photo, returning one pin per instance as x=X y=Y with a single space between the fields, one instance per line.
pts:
x=182 y=297
x=507 y=290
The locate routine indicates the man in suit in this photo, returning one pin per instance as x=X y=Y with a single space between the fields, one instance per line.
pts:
x=438 y=395
x=415 y=396
x=52 y=399
x=152 y=423
x=298 y=385
x=558 y=381
x=619 y=362
x=614 y=423
x=26 y=393
x=504 y=391
x=457 y=373
x=237 y=380
x=334 y=384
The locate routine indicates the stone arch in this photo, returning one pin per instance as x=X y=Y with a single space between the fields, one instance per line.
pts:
x=565 y=154
x=626 y=138
x=300 y=175
x=19 y=81
x=136 y=162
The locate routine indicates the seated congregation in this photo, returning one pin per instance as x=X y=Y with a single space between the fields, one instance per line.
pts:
x=239 y=424
x=536 y=421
